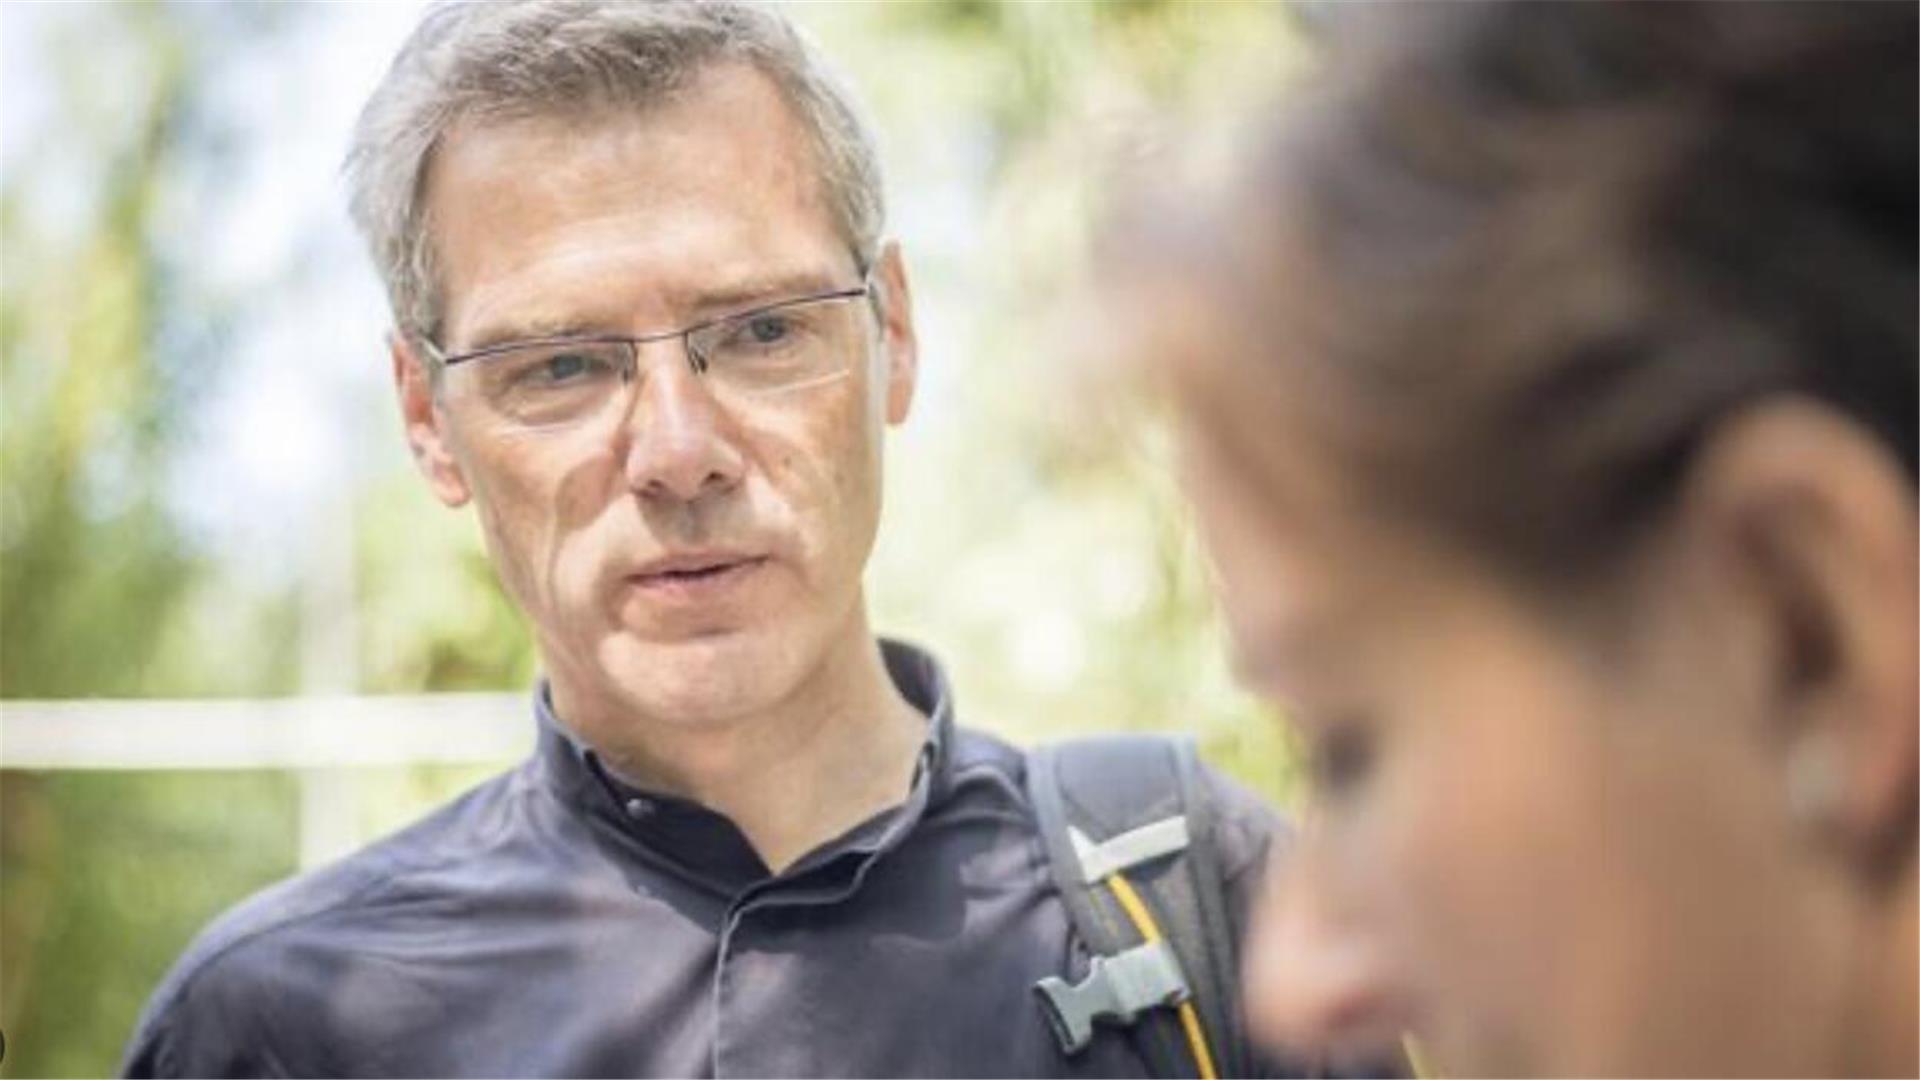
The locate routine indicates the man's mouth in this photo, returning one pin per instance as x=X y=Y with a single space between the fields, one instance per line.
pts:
x=700 y=574
x=694 y=576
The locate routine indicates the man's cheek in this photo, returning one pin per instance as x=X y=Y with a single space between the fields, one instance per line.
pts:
x=808 y=478
x=526 y=541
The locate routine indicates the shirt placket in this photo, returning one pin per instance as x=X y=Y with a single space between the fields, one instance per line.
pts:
x=738 y=932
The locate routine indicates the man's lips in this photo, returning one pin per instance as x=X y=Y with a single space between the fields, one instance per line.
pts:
x=694 y=575
x=693 y=562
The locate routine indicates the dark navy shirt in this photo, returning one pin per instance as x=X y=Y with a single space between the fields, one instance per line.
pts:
x=556 y=922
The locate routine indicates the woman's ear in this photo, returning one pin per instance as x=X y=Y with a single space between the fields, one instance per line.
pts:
x=425 y=426
x=1821 y=521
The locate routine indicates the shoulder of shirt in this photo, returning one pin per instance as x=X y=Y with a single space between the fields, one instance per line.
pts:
x=973 y=752
x=458 y=831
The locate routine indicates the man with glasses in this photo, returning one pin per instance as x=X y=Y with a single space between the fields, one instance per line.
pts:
x=647 y=326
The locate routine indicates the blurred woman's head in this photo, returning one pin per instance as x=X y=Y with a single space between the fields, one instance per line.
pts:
x=1550 y=397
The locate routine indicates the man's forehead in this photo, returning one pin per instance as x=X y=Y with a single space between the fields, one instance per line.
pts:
x=731 y=100
x=715 y=199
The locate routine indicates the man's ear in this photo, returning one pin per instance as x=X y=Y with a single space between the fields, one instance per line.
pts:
x=1821 y=519
x=425 y=427
x=897 y=336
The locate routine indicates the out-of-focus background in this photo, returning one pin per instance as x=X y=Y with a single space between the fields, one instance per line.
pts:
x=238 y=637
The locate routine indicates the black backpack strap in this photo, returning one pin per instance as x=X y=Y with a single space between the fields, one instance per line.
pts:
x=1220 y=965
x=1129 y=838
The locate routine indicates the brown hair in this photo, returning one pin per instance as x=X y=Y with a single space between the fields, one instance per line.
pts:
x=1528 y=255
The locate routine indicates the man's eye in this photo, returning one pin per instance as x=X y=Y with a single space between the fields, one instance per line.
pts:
x=770 y=329
x=562 y=368
x=765 y=332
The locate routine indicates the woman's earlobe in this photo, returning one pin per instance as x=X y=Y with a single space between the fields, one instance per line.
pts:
x=1815 y=782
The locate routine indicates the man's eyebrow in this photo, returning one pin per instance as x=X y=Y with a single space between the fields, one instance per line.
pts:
x=535 y=328
x=762 y=289
x=696 y=306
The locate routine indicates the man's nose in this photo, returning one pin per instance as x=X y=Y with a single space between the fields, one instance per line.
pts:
x=682 y=443
x=1314 y=978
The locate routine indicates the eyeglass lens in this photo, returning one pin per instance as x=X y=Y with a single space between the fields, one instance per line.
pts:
x=548 y=384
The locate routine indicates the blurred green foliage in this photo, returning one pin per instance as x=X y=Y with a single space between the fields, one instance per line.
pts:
x=1049 y=563
x=107 y=875
x=102 y=355
x=86 y=541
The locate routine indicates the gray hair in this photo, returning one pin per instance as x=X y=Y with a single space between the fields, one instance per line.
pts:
x=497 y=60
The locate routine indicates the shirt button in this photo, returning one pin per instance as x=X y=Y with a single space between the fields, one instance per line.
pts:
x=639 y=808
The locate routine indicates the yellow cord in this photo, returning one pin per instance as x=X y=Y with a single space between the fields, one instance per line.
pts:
x=1417 y=1059
x=1150 y=931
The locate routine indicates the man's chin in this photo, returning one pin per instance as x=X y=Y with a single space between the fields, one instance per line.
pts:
x=697 y=678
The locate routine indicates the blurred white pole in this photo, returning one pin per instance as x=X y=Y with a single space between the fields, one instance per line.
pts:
x=329 y=666
x=377 y=731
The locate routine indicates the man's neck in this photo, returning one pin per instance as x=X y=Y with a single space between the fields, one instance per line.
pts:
x=833 y=753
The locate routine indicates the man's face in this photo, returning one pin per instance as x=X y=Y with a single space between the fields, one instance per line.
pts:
x=694 y=556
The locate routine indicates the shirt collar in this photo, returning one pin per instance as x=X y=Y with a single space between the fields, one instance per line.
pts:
x=707 y=845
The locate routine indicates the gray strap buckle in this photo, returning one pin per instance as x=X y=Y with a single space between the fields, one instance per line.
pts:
x=1117 y=989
